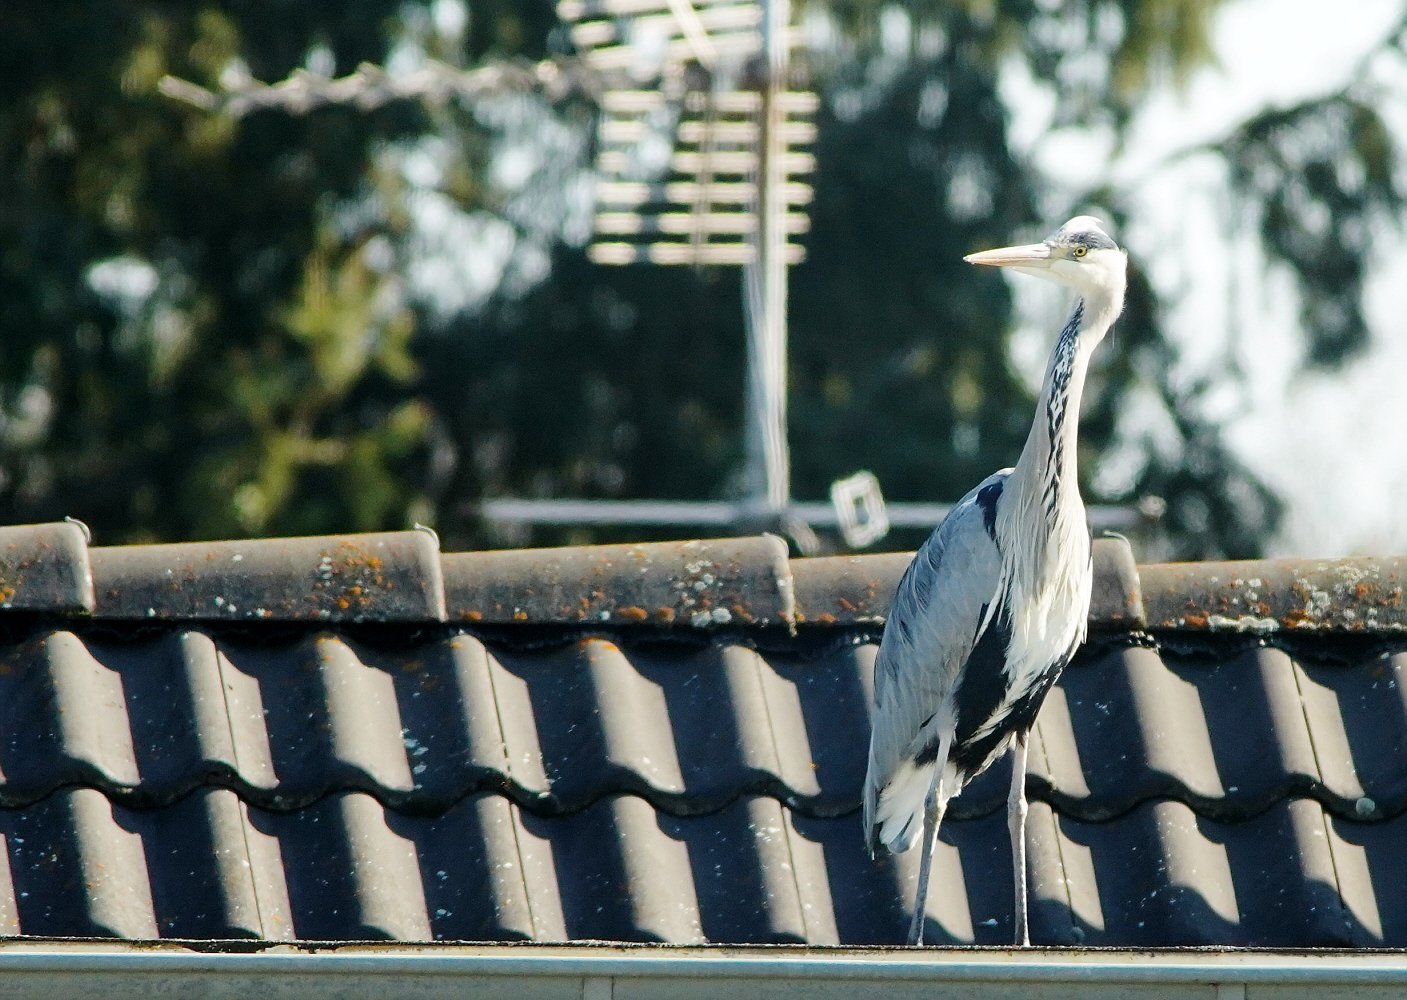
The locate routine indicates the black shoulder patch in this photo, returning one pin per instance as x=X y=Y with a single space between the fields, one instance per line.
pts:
x=981 y=687
x=987 y=498
x=983 y=683
x=972 y=756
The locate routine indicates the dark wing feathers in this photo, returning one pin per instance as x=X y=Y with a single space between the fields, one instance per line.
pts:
x=931 y=633
x=980 y=691
x=987 y=497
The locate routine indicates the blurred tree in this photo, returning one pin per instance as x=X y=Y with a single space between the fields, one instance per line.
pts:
x=351 y=321
x=1319 y=177
x=188 y=349
x=898 y=350
x=899 y=361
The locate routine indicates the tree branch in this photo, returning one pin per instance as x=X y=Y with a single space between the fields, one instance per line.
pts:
x=370 y=86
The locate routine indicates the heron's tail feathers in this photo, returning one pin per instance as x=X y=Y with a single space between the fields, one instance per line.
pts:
x=898 y=821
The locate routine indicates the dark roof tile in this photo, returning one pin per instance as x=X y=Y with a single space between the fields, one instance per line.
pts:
x=1371 y=865
x=1363 y=709
x=1166 y=874
x=688 y=728
x=65 y=720
x=72 y=870
x=348 y=868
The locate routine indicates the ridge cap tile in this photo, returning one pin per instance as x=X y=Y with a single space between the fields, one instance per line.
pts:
x=45 y=567
x=391 y=576
x=1365 y=594
x=858 y=589
x=701 y=584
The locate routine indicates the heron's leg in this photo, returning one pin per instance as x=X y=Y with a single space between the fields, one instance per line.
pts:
x=932 y=816
x=934 y=805
x=1016 y=823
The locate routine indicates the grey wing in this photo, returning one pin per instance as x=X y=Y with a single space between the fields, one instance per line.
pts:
x=932 y=627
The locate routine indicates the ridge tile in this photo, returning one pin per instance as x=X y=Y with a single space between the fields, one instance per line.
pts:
x=388 y=577
x=45 y=567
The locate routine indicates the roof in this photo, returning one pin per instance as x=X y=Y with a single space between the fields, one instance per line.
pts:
x=361 y=738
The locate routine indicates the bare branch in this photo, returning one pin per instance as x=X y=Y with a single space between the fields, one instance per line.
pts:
x=370 y=86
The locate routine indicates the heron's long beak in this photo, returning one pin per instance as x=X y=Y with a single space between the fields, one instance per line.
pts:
x=1035 y=255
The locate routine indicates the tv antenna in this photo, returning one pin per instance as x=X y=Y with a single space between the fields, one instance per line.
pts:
x=699 y=163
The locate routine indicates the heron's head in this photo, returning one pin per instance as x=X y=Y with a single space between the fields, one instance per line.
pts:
x=1079 y=254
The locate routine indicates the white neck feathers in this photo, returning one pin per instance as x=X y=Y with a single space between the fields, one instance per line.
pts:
x=1041 y=503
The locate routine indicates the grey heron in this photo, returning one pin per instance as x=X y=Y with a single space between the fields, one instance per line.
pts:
x=995 y=602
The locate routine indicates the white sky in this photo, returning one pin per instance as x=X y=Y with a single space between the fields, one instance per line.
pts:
x=1333 y=446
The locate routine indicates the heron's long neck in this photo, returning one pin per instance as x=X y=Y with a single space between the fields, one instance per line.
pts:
x=1052 y=445
x=1046 y=476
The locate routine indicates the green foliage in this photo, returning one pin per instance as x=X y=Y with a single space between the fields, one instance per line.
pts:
x=604 y=382
x=226 y=371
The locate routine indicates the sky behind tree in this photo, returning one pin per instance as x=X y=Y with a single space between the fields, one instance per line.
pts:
x=1332 y=444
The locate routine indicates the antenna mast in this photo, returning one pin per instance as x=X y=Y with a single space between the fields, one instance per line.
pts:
x=765 y=280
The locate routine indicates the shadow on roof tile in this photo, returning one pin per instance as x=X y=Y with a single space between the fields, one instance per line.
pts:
x=1365 y=716
x=346 y=868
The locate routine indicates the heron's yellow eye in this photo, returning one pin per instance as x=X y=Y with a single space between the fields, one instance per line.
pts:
x=1081 y=251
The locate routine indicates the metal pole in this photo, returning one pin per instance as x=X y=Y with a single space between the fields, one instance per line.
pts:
x=766 y=284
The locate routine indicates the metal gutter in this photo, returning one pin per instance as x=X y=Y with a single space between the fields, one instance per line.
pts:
x=389 y=972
